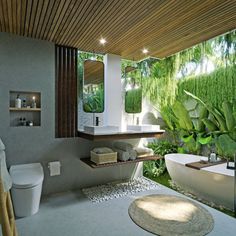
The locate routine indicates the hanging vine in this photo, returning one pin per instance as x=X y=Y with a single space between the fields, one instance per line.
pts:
x=190 y=70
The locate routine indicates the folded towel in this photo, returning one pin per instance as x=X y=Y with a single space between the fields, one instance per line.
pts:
x=122 y=155
x=132 y=154
x=102 y=150
x=143 y=150
x=123 y=146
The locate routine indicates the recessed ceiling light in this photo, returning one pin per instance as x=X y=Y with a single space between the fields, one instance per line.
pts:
x=145 y=51
x=102 y=41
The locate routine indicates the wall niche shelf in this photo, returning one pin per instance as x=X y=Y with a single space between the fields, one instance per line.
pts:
x=24 y=109
x=27 y=115
x=122 y=135
x=94 y=166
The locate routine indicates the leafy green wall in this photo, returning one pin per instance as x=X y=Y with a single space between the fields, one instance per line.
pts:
x=190 y=69
x=214 y=88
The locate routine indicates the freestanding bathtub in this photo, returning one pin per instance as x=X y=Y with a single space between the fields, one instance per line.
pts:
x=215 y=183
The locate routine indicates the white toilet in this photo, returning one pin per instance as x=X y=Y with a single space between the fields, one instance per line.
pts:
x=26 y=189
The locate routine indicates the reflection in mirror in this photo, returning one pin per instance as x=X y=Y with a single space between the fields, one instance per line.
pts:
x=133 y=88
x=93 y=86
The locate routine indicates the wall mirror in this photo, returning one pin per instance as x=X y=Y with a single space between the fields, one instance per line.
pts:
x=93 y=86
x=133 y=90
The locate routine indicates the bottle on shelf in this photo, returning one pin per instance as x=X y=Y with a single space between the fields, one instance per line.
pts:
x=213 y=157
x=29 y=123
x=18 y=101
x=20 y=121
x=24 y=103
x=24 y=122
x=34 y=105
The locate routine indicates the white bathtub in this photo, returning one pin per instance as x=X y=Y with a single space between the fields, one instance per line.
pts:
x=215 y=183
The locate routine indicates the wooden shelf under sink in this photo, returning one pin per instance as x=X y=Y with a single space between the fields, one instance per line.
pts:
x=94 y=166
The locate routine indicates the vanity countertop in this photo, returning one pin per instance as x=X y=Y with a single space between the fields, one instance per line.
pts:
x=129 y=134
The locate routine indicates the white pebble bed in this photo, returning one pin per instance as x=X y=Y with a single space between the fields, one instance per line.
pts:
x=176 y=187
x=110 y=191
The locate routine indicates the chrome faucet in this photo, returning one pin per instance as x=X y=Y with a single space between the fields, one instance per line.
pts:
x=96 y=120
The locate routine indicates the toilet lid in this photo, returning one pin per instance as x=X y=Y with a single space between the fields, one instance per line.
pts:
x=26 y=176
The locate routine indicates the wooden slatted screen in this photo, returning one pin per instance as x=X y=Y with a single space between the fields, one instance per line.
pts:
x=66 y=91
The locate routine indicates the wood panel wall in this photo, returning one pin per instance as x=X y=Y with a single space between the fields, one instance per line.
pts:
x=66 y=92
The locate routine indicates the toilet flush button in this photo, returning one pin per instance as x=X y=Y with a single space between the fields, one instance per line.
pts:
x=54 y=168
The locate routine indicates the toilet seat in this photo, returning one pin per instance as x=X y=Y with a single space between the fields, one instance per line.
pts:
x=27 y=175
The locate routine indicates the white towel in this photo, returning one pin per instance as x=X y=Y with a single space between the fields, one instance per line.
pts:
x=132 y=154
x=123 y=146
x=122 y=155
x=143 y=150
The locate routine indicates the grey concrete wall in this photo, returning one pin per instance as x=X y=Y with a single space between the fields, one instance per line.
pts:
x=28 y=65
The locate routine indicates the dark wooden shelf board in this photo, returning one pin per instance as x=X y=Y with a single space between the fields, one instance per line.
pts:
x=125 y=135
x=24 y=109
x=94 y=166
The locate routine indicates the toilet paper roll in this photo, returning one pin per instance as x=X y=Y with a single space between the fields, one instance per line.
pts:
x=54 y=168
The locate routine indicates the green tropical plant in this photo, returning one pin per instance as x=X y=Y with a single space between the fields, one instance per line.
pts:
x=162 y=147
x=222 y=125
x=185 y=121
x=226 y=146
x=158 y=167
x=150 y=169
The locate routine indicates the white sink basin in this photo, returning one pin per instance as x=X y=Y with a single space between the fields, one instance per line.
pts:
x=101 y=129
x=144 y=128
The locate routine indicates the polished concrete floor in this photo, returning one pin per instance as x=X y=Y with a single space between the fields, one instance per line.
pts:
x=71 y=214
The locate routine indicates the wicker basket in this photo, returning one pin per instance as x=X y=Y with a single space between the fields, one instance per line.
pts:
x=103 y=158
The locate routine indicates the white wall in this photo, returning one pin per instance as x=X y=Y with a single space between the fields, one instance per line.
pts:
x=113 y=90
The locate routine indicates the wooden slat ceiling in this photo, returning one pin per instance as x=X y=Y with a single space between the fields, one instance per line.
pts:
x=162 y=26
